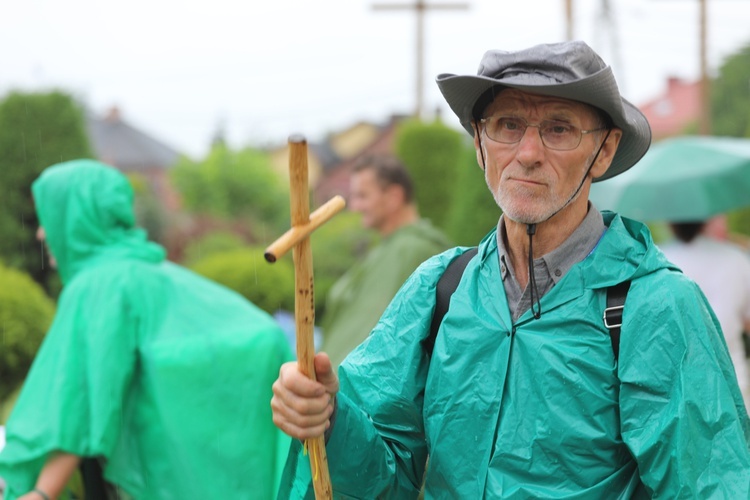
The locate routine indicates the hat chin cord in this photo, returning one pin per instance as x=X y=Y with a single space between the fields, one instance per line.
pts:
x=531 y=229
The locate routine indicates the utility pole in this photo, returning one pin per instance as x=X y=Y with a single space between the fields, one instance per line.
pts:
x=704 y=127
x=569 y=20
x=420 y=7
x=606 y=33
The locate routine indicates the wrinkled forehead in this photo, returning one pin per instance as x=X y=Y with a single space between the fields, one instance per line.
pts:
x=521 y=102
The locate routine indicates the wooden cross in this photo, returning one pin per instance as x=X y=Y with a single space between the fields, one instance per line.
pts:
x=298 y=238
x=420 y=7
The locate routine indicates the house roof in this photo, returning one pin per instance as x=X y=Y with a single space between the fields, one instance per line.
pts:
x=677 y=108
x=359 y=140
x=120 y=144
x=325 y=154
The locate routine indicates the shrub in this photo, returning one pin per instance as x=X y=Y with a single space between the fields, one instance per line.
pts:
x=336 y=246
x=209 y=244
x=268 y=286
x=432 y=154
x=26 y=313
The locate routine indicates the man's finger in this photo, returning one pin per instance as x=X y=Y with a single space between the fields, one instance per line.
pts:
x=325 y=373
x=296 y=382
x=300 y=404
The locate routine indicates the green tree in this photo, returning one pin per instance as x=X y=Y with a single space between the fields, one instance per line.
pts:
x=730 y=96
x=432 y=154
x=150 y=213
x=336 y=246
x=36 y=131
x=730 y=113
x=234 y=184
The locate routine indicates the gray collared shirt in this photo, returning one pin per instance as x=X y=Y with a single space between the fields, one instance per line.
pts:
x=549 y=268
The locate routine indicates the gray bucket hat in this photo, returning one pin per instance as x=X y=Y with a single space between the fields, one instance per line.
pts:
x=570 y=70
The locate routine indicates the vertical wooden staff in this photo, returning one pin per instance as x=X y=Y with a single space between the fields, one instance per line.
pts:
x=298 y=238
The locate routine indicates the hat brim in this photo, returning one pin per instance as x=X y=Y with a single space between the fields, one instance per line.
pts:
x=462 y=92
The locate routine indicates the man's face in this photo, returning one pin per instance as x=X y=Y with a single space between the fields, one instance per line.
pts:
x=370 y=199
x=529 y=181
x=42 y=236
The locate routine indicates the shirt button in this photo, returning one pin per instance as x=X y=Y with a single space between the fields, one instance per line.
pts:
x=558 y=273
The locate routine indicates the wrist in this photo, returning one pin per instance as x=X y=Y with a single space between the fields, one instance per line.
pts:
x=41 y=494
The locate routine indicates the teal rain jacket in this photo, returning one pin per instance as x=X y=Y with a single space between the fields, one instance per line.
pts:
x=540 y=408
x=164 y=374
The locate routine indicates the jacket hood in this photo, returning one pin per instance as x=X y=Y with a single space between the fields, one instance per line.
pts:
x=626 y=251
x=86 y=210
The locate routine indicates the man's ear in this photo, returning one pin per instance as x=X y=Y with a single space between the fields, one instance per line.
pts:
x=395 y=196
x=478 y=146
x=607 y=153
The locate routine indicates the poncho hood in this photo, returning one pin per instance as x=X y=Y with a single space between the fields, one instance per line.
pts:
x=86 y=210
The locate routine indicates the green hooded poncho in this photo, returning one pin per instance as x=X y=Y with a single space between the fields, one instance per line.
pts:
x=357 y=300
x=165 y=375
x=541 y=408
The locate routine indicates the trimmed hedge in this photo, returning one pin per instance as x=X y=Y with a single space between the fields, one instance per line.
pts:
x=26 y=313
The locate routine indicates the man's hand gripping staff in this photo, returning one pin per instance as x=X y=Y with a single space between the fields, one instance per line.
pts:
x=303 y=404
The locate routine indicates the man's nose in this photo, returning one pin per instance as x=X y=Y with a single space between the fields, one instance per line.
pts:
x=530 y=147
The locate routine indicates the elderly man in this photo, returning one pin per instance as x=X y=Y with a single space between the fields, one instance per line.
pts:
x=527 y=393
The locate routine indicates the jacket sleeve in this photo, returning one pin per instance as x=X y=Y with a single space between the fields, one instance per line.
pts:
x=377 y=447
x=682 y=415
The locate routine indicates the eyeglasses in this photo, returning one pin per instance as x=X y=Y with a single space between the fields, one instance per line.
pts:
x=558 y=135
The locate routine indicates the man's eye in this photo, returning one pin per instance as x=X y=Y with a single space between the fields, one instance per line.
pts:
x=510 y=124
x=558 y=129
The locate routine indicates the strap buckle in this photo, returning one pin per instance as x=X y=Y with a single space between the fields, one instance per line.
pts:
x=617 y=311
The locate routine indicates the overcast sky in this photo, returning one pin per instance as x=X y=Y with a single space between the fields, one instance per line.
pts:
x=267 y=69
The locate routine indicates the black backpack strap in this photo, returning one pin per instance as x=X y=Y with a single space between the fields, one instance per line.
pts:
x=446 y=285
x=613 y=313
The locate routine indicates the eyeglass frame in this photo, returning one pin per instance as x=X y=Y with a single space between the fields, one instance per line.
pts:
x=538 y=126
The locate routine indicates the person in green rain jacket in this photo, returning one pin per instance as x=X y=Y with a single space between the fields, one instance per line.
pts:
x=523 y=395
x=383 y=193
x=158 y=373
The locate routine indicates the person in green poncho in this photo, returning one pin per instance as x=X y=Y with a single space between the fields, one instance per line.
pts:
x=160 y=375
x=382 y=191
x=526 y=392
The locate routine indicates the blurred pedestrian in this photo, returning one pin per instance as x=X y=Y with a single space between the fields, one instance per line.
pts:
x=722 y=270
x=528 y=391
x=158 y=375
x=382 y=191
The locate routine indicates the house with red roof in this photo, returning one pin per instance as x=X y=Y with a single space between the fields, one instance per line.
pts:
x=676 y=111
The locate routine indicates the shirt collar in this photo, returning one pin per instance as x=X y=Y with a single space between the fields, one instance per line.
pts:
x=559 y=261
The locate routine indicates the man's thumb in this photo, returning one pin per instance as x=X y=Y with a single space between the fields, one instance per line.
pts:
x=325 y=373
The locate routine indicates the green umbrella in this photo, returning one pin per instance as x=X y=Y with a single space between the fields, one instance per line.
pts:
x=682 y=179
